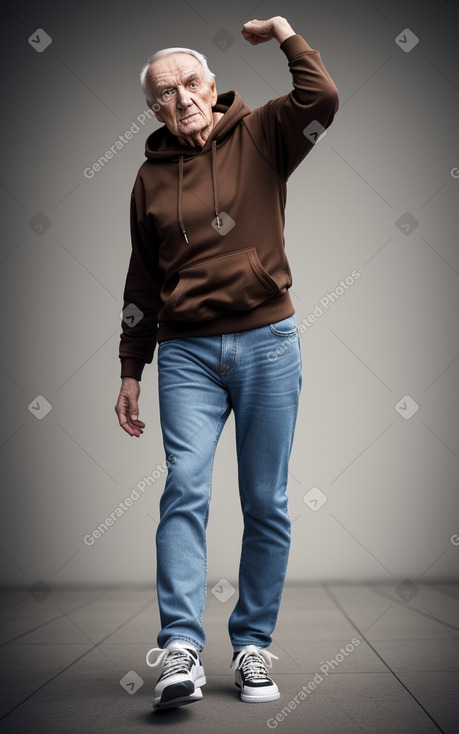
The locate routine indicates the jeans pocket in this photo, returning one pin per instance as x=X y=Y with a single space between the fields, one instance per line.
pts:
x=168 y=341
x=286 y=327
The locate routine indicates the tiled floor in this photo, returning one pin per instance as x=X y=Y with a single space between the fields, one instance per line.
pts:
x=367 y=658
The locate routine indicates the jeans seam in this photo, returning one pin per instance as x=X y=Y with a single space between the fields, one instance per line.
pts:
x=209 y=492
x=234 y=355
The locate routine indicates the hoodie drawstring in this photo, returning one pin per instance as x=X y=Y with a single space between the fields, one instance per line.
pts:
x=214 y=189
x=214 y=182
x=179 y=200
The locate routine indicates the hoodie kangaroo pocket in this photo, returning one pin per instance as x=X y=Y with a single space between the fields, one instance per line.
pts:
x=221 y=285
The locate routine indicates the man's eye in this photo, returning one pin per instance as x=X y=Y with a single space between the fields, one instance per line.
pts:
x=193 y=84
x=167 y=94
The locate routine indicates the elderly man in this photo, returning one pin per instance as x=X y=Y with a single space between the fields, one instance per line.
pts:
x=208 y=281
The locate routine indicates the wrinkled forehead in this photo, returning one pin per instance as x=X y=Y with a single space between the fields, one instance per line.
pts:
x=174 y=68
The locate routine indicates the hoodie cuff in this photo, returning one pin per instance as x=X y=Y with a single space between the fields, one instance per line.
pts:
x=132 y=368
x=295 y=46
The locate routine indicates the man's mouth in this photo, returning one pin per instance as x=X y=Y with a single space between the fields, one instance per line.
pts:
x=188 y=117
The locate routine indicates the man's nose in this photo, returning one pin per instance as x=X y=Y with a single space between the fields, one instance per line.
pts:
x=183 y=97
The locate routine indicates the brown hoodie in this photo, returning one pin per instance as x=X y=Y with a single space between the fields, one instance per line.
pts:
x=207 y=225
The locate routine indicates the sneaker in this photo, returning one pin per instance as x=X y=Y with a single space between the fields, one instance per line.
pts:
x=252 y=676
x=181 y=678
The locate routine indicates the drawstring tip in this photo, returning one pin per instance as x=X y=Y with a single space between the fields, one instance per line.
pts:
x=186 y=238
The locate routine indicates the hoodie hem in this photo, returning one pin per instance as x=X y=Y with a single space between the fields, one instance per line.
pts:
x=268 y=313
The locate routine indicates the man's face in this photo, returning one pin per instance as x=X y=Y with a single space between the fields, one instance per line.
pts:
x=177 y=83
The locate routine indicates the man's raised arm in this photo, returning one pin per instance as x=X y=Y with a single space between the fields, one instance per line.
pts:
x=286 y=129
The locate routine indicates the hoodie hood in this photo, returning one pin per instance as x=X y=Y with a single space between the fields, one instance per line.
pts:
x=161 y=145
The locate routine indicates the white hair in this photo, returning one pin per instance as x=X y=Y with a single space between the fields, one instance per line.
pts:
x=208 y=76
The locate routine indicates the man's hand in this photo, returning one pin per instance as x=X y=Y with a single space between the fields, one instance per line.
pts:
x=260 y=31
x=127 y=408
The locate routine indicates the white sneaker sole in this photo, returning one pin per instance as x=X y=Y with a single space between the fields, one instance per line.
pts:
x=255 y=697
x=259 y=699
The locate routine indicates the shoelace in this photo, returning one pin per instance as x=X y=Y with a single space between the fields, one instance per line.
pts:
x=251 y=661
x=176 y=660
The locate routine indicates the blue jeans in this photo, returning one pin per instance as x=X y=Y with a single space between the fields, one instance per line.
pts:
x=257 y=374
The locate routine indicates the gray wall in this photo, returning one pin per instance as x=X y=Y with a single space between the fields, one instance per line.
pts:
x=378 y=195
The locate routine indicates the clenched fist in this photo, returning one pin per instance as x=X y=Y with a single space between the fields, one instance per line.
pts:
x=260 y=31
